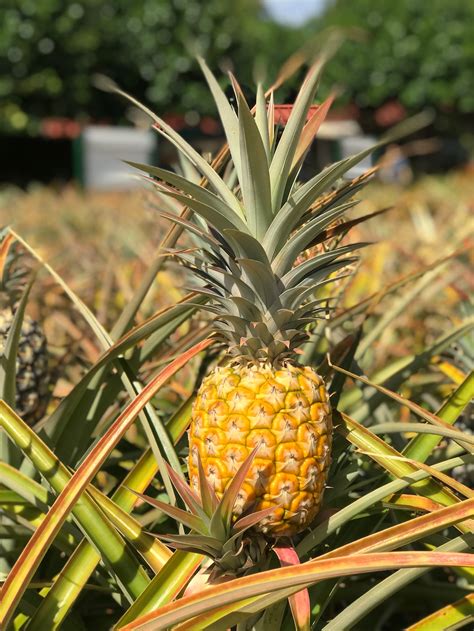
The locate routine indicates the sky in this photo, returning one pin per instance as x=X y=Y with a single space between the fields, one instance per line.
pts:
x=294 y=12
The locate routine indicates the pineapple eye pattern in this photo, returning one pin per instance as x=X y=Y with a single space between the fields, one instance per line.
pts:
x=283 y=412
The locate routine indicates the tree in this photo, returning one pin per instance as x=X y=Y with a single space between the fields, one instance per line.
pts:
x=50 y=49
x=418 y=53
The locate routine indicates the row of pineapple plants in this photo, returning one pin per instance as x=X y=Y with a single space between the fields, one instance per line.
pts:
x=272 y=365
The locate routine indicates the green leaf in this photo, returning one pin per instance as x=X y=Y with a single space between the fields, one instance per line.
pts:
x=246 y=246
x=346 y=514
x=151 y=422
x=255 y=177
x=192 y=228
x=10 y=351
x=199 y=193
x=8 y=360
x=310 y=130
x=261 y=119
x=453 y=616
x=319 y=262
x=39 y=543
x=191 y=154
x=393 y=461
x=227 y=115
x=421 y=447
x=130 y=575
x=64 y=424
x=344 y=228
x=165 y=586
x=456 y=434
x=407 y=532
x=199 y=544
x=424 y=428
x=261 y=278
x=151 y=549
x=81 y=564
x=285 y=151
x=300 y=240
x=396 y=373
x=210 y=214
x=287 y=217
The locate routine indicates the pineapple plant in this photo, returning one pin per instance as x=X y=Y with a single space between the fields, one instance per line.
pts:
x=257 y=263
x=268 y=257
x=32 y=373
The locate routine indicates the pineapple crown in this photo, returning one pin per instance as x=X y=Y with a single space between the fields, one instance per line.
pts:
x=213 y=530
x=13 y=270
x=252 y=223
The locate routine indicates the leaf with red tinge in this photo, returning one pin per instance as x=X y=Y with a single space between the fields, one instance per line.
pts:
x=407 y=501
x=408 y=531
x=253 y=518
x=223 y=515
x=209 y=499
x=414 y=407
x=182 y=516
x=197 y=611
x=299 y=602
x=194 y=543
x=311 y=128
x=187 y=494
x=19 y=577
x=452 y=616
x=5 y=247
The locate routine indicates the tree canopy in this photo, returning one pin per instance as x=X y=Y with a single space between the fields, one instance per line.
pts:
x=50 y=50
x=418 y=53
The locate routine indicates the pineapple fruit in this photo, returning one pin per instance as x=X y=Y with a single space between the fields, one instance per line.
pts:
x=283 y=411
x=32 y=372
x=252 y=229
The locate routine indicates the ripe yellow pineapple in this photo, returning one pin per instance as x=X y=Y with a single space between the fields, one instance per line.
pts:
x=284 y=412
x=251 y=230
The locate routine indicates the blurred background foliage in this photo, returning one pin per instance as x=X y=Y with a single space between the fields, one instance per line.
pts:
x=52 y=48
x=417 y=53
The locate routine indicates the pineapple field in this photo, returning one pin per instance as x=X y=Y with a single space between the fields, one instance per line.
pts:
x=237 y=400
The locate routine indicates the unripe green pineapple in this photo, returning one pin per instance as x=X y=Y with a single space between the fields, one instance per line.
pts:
x=32 y=373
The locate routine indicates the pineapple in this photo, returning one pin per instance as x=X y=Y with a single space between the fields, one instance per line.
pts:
x=32 y=372
x=283 y=410
x=252 y=227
